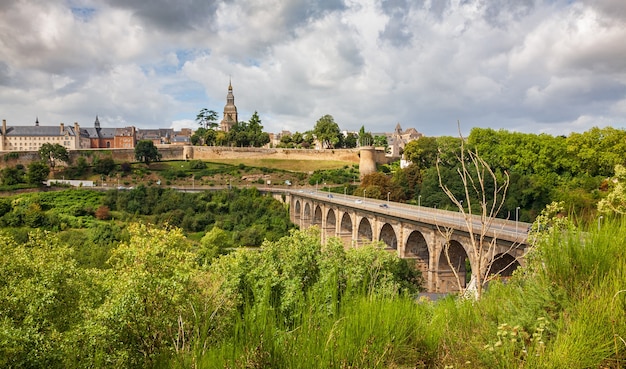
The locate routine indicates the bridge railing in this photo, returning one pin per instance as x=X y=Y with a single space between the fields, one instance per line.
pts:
x=512 y=230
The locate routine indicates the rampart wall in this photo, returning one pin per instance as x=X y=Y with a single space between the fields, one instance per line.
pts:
x=207 y=153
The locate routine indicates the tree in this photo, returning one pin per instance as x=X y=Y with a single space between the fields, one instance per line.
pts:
x=615 y=201
x=37 y=172
x=256 y=136
x=207 y=118
x=475 y=175
x=146 y=152
x=151 y=304
x=42 y=295
x=380 y=141
x=350 y=141
x=327 y=132
x=11 y=176
x=53 y=153
x=104 y=165
x=365 y=138
x=422 y=152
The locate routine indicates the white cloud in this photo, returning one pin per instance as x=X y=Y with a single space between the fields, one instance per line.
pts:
x=539 y=66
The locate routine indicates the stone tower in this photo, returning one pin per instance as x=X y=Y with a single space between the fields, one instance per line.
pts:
x=230 y=111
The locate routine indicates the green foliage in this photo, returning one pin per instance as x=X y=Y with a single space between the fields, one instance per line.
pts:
x=146 y=151
x=207 y=118
x=335 y=176
x=197 y=164
x=104 y=166
x=53 y=153
x=327 y=132
x=42 y=296
x=37 y=172
x=615 y=201
x=365 y=138
x=149 y=284
x=246 y=134
x=12 y=176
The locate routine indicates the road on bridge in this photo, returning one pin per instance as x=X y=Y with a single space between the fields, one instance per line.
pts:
x=510 y=230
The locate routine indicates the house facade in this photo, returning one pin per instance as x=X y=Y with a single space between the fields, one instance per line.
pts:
x=31 y=138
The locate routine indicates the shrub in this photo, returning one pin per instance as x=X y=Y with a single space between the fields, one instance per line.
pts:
x=103 y=213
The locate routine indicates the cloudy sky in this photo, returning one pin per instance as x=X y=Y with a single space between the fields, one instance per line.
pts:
x=536 y=66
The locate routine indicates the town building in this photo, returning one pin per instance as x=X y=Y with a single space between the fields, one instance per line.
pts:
x=230 y=111
x=398 y=139
x=31 y=138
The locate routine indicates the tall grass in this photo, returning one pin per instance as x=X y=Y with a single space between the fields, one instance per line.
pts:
x=567 y=309
x=356 y=332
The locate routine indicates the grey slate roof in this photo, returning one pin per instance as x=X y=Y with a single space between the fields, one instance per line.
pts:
x=100 y=132
x=36 y=131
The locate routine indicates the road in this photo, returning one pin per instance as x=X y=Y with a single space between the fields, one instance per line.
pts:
x=501 y=228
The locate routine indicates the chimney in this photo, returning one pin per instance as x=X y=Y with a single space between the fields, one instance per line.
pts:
x=62 y=129
x=4 y=127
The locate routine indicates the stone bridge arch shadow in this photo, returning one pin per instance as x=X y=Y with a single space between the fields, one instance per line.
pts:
x=306 y=215
x=503 y=265
x=417 y=249
x=388 y=236
x=331 y=223
x=364 y=232
x=459 y=260
x=317 y=217
x=345 y=229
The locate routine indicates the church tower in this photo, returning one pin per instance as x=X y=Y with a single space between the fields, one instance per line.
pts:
x=230 y=111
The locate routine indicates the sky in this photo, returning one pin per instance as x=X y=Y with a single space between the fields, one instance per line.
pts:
x=539 y=66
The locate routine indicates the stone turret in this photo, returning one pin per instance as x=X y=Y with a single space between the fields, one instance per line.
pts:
x=367 y=163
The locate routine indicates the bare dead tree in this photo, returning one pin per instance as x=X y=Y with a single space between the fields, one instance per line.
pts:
x=491 y=202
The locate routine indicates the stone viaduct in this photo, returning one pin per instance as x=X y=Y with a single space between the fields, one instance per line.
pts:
x=413 y=232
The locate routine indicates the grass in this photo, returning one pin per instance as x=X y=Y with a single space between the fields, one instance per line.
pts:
x=566 y=310
x=305 y=166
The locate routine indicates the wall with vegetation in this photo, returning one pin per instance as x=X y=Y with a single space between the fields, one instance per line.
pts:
x=169 y=152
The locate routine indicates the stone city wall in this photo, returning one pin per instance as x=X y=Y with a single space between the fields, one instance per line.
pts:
x=207 y=153
x=212 y=152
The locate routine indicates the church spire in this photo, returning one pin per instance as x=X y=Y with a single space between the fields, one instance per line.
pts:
x=97 y=123
x=230 y=110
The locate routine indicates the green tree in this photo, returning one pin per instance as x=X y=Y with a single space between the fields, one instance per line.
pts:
x=351 y=140
x=256 y=136
x=422 y=152
x=380 y=141
x=327 y=132
x=150 y=305
x=11 y=176
x=615 y=201
x=43 y=295
x=207 y=118
x=104 y=166
x=53 y=153
x=146 y=152
x=365 y=138
x=37 y=172
x=214 y=243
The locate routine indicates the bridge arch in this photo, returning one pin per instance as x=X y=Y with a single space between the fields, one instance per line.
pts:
x=364 y=232
x=298 y=209
x=317 y=216
x=306 y=215
x=417 y=248
x=388 y=236
x=503 y=265
x=459 y=260
x=331 y=223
